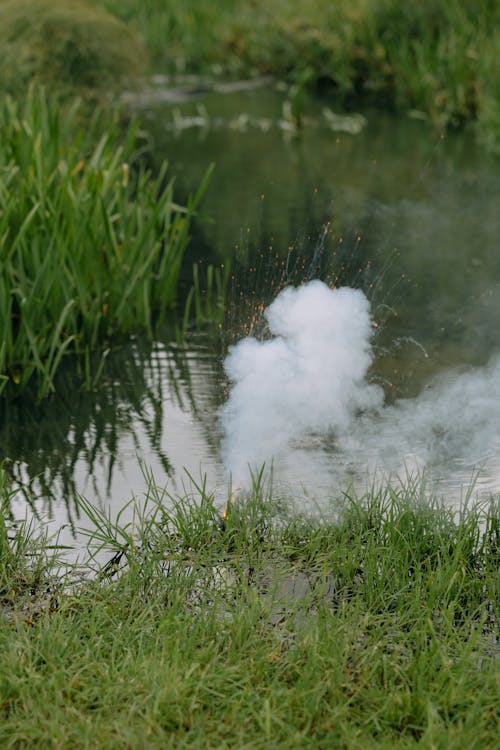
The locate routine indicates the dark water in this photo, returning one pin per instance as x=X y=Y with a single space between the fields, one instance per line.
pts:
x=412 y=217
x=388 y=206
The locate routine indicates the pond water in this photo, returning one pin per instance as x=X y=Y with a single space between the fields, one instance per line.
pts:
x=390 y=207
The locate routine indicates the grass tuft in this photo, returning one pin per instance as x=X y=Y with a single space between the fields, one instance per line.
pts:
x=28 y=559
x=91 y=242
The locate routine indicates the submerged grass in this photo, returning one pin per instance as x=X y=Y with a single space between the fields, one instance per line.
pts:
x=91 y=243
x=377 y=630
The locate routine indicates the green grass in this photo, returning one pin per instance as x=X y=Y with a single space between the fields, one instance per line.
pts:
x=181 y=36
x=91 y=243
x=441 y=59
x=28 y=559
x=374 y=631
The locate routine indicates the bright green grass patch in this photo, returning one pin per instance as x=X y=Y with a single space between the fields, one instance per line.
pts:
x=377 y=630
x=91 y=244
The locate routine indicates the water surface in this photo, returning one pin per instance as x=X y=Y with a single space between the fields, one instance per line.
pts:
x=389 y=206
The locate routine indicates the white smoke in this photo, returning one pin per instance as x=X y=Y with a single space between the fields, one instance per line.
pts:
x=453 y=425
x=309 y=378
x=302 y=401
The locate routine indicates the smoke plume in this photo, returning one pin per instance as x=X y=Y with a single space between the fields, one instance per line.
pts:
x=308 y=378
x=301 y=400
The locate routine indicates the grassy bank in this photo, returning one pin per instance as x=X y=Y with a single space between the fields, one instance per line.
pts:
x=377 y=630
x=440 y=59
x=91 y=243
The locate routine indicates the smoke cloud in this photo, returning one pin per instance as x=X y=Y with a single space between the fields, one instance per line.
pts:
x=309 y=378
x=302 y=401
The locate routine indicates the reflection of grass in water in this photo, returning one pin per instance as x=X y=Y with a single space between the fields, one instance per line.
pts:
x=206 y=301
x=42 y=443
x=374 y=631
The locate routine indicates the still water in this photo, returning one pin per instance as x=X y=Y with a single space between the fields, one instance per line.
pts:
x=388 y=206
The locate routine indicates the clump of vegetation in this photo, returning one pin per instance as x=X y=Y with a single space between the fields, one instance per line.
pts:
x=91 y=244
x=68 y=45
x=431 y=56
x=27 y=558
x=375 y=631
x=179 y=36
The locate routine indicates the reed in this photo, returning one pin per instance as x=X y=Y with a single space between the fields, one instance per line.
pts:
x=206 y=302
x=91 y=243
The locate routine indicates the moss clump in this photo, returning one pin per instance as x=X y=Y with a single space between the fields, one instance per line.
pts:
x=69 y=45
